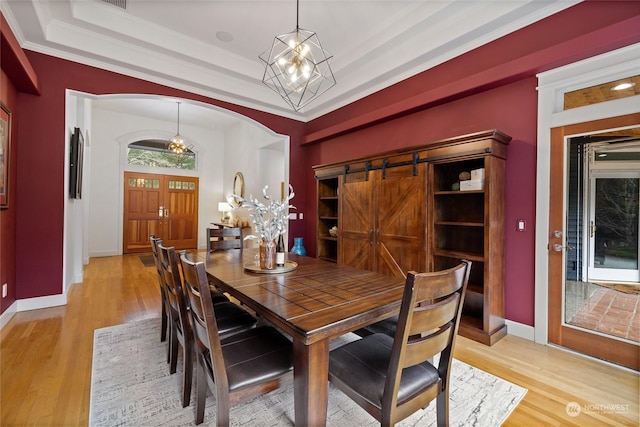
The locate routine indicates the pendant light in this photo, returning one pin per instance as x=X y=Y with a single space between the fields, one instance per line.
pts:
x=176 y=144
x=297 y=67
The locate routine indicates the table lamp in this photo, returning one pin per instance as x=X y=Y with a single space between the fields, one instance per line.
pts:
x=225 y=208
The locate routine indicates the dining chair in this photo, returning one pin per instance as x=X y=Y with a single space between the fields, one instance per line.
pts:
x=393 y=377
x=233 y=318
x=180 y=331
x=224 y=238
x=235 y=368
x=165 y=306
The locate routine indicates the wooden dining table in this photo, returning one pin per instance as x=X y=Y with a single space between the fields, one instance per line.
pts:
x=313 y=304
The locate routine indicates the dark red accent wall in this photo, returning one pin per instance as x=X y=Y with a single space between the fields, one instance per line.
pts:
x=9 y=97
x=491 y=87
x=512 y=109
x=41 y=168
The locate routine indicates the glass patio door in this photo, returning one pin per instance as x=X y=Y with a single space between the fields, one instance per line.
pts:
x=594 y=207
x=613 y=226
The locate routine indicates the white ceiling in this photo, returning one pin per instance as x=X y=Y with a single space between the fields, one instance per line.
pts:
x=184 y=43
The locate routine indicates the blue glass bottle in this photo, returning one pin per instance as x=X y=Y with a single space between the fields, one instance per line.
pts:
x=298 y=248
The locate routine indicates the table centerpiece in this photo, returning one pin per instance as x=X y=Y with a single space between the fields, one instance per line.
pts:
x=269 y=220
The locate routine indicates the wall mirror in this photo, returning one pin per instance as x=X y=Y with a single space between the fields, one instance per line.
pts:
x=238 y=188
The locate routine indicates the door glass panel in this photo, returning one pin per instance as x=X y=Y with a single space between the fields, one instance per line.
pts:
x=617 y=89
x=155 y=153
x=616 y=223
x=602 y=271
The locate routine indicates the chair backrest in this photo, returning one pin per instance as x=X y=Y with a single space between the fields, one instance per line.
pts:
x=427 y=325
x=173 y=286
x=224 y=238
x=203 y=319
x=156 y=257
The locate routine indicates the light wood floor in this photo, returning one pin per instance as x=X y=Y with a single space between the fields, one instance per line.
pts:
x=45 y=358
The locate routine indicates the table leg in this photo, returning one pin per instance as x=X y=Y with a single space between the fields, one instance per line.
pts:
x=311 y=376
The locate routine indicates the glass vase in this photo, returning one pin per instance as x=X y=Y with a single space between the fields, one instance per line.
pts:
x=267 y=255
x=298 y=247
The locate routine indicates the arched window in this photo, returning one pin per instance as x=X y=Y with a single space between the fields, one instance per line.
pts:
x=154 y=152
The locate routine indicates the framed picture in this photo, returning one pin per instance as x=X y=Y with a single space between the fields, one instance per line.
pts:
x=5 y=145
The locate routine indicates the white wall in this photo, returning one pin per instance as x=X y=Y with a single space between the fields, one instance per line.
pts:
x=261 y=158
x=220 y=155
x=75 y=238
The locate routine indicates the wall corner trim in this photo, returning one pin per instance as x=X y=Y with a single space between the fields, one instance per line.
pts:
x=8 y=314
x=520 y=330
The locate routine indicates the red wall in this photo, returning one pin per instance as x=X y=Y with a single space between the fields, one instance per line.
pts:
x=40 y=230
x=491 y=87
x=9 y=97
x=513 y=110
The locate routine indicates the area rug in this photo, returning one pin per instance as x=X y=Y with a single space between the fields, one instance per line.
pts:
x=131 y=386
x=147 y=260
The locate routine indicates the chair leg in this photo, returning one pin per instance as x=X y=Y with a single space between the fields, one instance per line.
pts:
x=163 y=332
x=187 y=374
x=169 y=344
x=442 y=405
x=173 y=364
x=201 y=390
x=222 y=409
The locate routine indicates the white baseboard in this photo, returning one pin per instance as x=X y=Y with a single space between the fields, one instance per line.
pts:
x=41 y=302
x=31 y=304
x=520 y=330
x=101 y=254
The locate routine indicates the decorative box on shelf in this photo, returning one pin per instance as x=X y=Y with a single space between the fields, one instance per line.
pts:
x=477 y=174
x=472 y=184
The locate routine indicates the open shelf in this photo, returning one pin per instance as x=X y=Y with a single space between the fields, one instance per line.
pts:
x=460 y=229
x=328 y=202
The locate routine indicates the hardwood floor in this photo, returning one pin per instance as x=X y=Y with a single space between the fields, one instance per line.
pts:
x=45 y=359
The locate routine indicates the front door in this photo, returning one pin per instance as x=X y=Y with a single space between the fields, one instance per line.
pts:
x=163 y=205
x=592 y=315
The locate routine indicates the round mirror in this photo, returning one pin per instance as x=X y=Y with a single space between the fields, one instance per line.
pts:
x=238 y=188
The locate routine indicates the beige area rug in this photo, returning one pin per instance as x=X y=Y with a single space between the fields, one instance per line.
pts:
x=131 y=386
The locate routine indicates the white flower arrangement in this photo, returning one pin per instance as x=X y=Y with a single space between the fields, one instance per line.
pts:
x=269 y=220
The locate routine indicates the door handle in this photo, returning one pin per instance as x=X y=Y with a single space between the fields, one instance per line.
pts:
x=160 y=212
x=592 y=229
x=557 y=247
x=378 y=236
x=371 y=236
x=166 y=213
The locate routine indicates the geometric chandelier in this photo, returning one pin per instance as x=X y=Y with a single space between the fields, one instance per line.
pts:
x=176 y=144
x=297 y=67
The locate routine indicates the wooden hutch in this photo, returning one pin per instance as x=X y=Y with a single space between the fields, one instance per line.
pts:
x=404 y=210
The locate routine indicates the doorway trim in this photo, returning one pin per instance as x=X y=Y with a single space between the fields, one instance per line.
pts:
x=551 y=88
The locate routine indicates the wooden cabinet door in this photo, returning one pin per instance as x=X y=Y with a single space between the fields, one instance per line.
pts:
x=357 y=221
x=163 y=205
x=383 y=220
x=400 y=241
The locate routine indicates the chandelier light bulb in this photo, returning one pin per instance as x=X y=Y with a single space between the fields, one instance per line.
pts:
x=176 y=144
